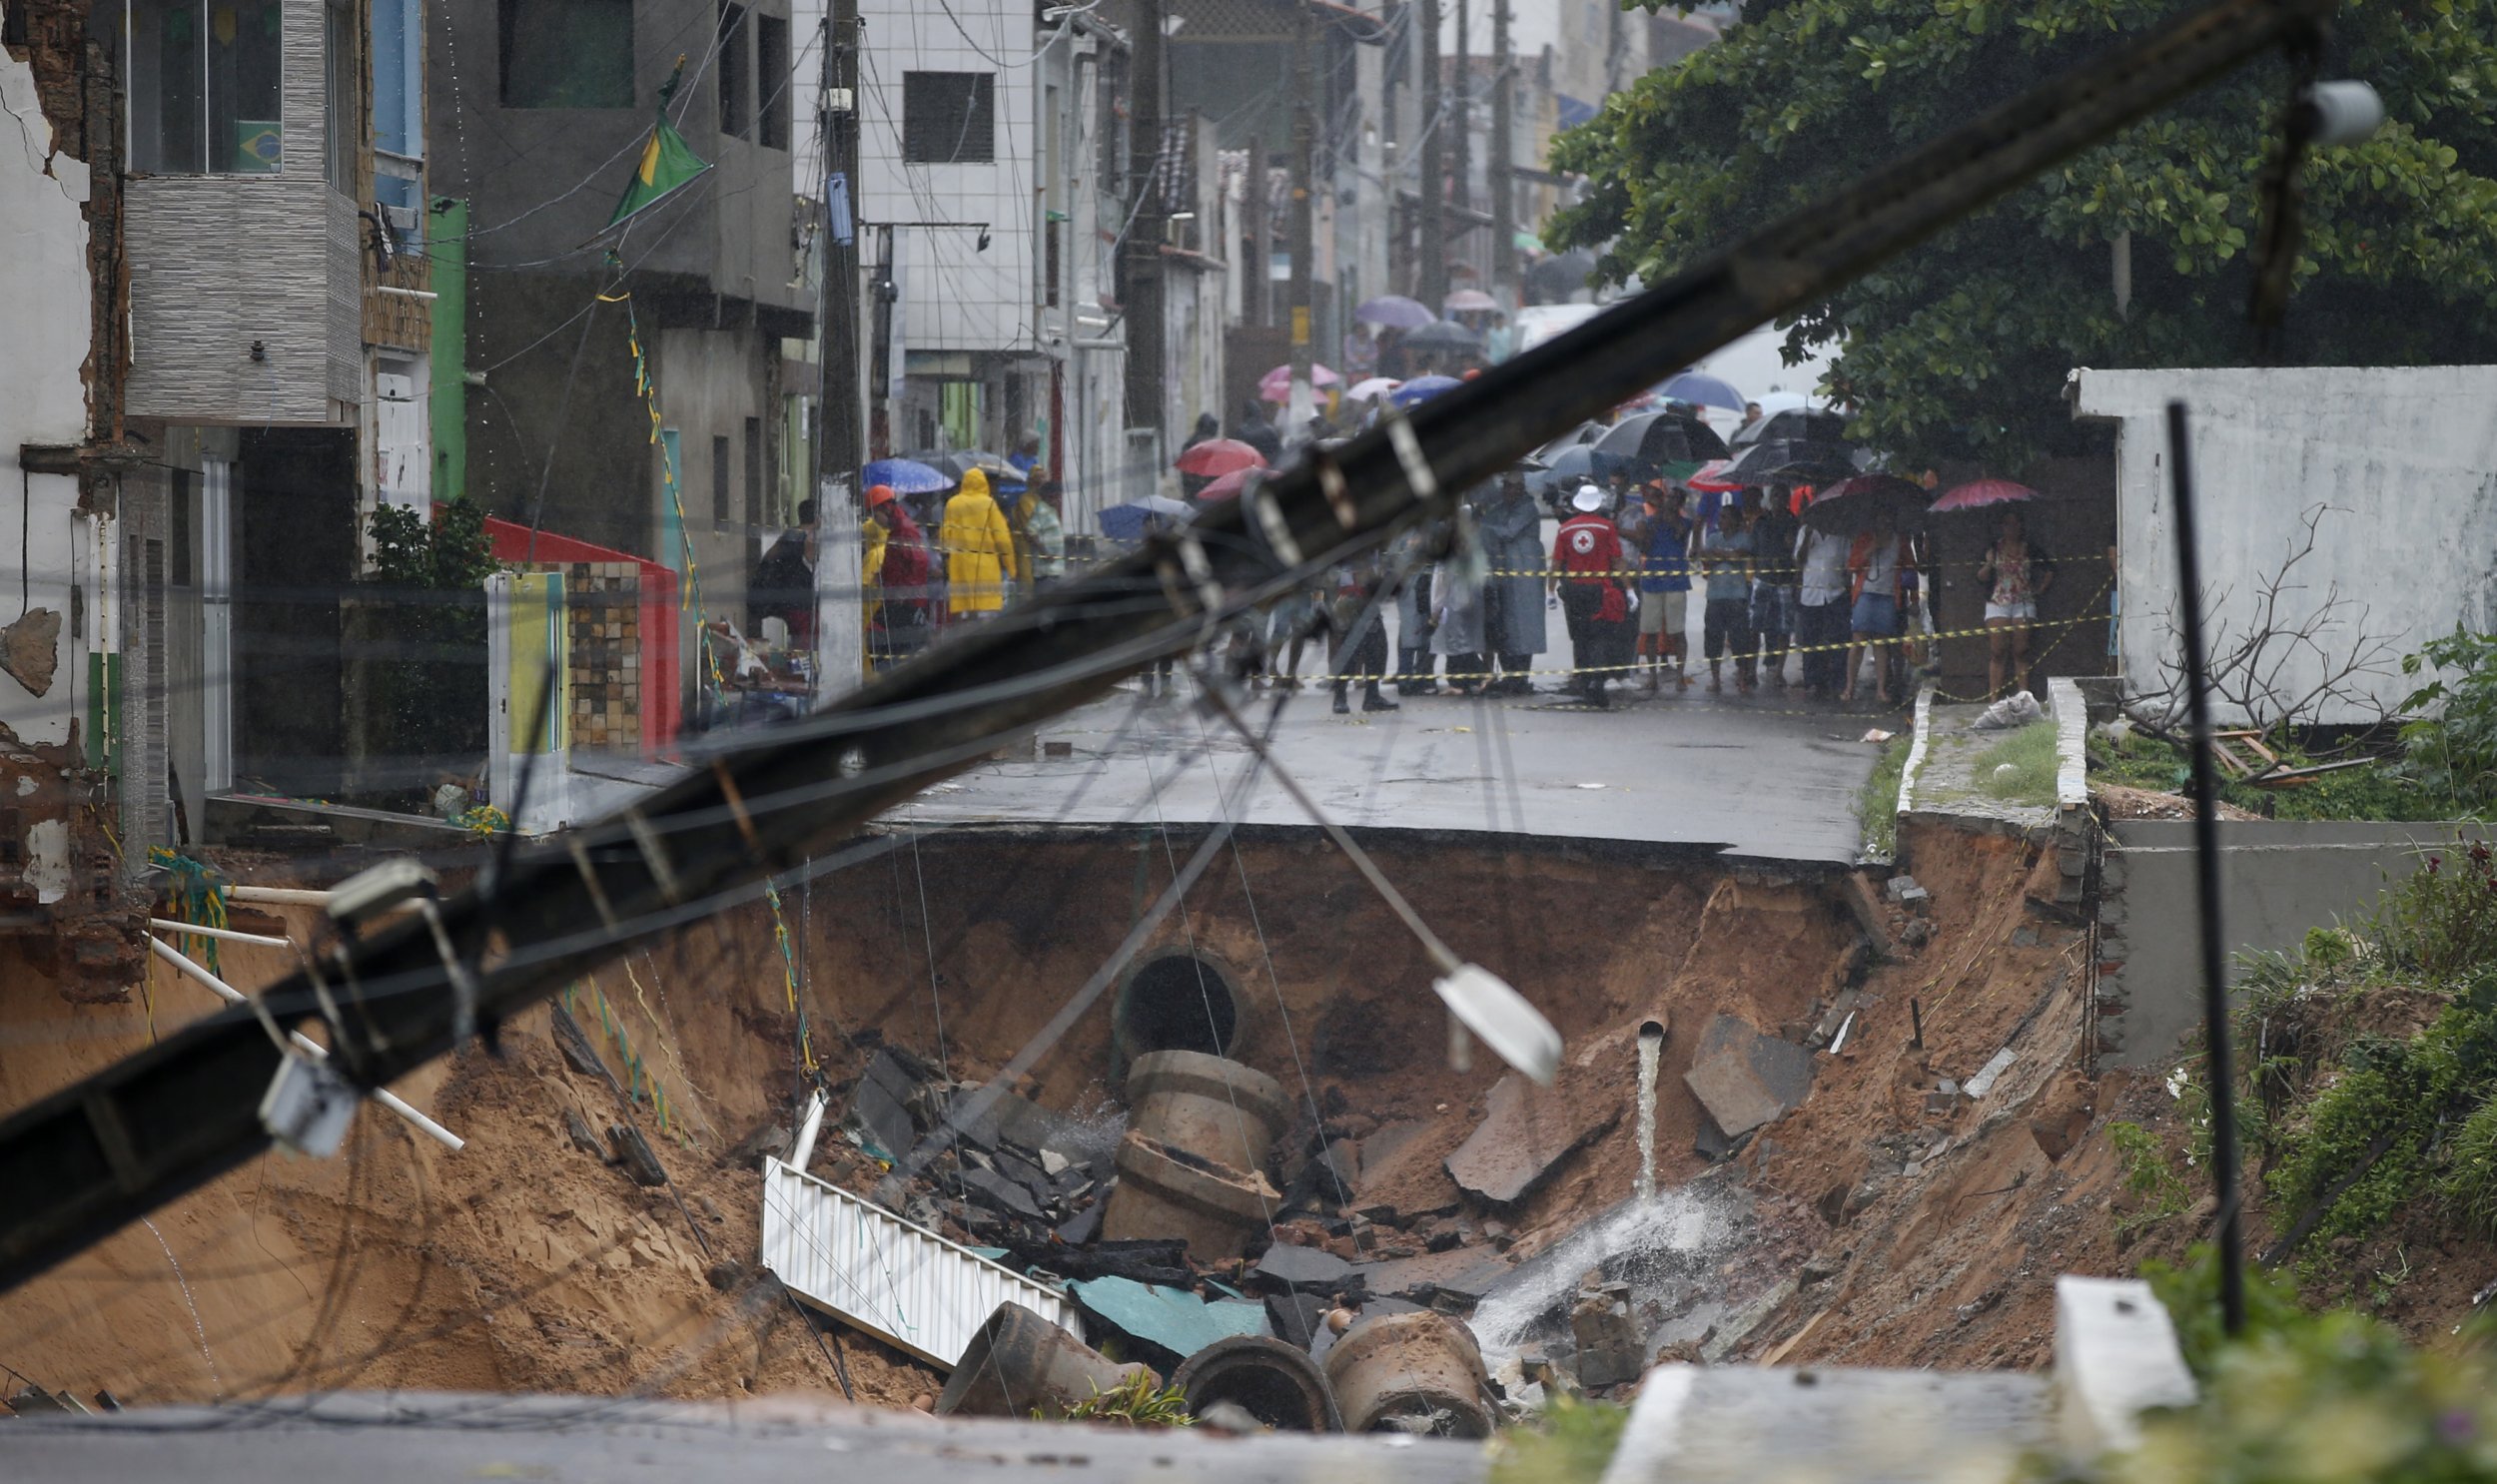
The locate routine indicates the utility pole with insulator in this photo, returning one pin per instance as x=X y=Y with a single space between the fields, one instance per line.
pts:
x=1503 y=161
x=1461 y=163
x=1303 y=404
x=1430 y=253
x=840 y=434
x=1140 y=296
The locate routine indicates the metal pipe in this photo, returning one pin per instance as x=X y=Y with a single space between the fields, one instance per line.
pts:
x=307 y=1044
x=228 y=935
x=2223 y=1089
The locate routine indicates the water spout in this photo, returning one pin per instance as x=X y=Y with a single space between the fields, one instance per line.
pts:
x=1651 y=1047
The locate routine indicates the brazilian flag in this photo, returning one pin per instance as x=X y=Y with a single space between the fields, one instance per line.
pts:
x=667 y=161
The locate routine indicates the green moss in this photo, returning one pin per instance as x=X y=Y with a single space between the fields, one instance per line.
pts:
x=1571 y=1444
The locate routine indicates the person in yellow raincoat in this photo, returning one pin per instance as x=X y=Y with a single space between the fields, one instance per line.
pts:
x=979 y=549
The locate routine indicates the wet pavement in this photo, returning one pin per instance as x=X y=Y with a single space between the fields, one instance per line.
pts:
x=1767 y=776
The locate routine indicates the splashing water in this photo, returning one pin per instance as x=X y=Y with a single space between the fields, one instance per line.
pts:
x=197 y=1327
x=1664 y=1246
x=1651 y=1048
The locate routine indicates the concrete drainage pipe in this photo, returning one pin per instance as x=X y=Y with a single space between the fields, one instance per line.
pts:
x=1019 y=1362
x=1416 y=1373
x=1164 y=1193
x=1178 y=1000
x=1212 y=1109
x=1277 y=1383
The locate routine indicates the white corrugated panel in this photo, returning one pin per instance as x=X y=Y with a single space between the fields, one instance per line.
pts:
x=901 y=1282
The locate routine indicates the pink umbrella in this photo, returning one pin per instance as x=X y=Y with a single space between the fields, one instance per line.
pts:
x=1373 y=389
x=1977 y=495
x=1230 y=486
x=1217 y=456
x=1276 y=384
x=1704 y=479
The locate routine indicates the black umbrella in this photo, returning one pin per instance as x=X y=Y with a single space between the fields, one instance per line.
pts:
x=1657 y=438
x=1441 y=334
x=1807 y=425
x=1856 y=504
x=1788 y=461
x=1584 y=433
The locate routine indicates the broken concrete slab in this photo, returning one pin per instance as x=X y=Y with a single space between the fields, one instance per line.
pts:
x=998 y=1194
x=1296 y=1318
x=1083 y=1227
x=1988 y=1075
x=1381 y=1148
x=1302 y=1269
x=634 y=1153
x=1467 y=1272
x=1736 y=1100
x=880 y=1107
x=577 y=1128
x=1525 y=1131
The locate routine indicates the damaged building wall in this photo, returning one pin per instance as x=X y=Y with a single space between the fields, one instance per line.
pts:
x=43 y=303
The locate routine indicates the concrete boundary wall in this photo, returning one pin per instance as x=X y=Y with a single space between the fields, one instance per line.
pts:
x=2277 y=878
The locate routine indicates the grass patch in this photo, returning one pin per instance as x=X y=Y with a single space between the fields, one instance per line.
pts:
x=2028 y=754
x=1877 y=802
x=1571 y=1445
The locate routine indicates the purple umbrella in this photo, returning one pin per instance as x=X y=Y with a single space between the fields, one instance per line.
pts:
x=1422 y=389
x=1395 y=312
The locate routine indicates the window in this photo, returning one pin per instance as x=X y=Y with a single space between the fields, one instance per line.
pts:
x=203 y=86
x=735 y=84
x=772 y=81
x=755 y=473
x=567 y=53
x=398 y=108
x=719 y=482
x=949 y=118
x=341 y=101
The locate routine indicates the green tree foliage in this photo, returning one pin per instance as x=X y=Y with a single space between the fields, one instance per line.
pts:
x=1960 y=347
x=429 y=579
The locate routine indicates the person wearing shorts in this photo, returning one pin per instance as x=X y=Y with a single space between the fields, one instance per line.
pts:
x=2017 y=574
x=1664 y=540
x=1880 y=563
x=1725 y=625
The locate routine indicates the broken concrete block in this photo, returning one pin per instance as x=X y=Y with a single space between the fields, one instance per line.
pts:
x=1735 y=1097
x=575 y=1043
x=1898 y=886
x=1988 y=1075
x=1081 y=1228
x=998 y=1194
x=1298 y=1318
x=1610 y=1348
x=880 y=1106
x=768 y=1137
x=30 y=649
x=1053 y=1163
x=634 y=1152
x=1525 y=1131
x=582 y=1138
x=1302 y=1269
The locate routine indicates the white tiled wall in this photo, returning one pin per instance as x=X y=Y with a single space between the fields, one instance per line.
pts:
x=958 y=296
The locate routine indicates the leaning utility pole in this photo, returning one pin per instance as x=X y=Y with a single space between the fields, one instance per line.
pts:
x=1430 y=275
x=1503 y=161
x=1140 y=296
x=840 y=440
x=1303 y=404
x=1462 y=153
x=396 y=996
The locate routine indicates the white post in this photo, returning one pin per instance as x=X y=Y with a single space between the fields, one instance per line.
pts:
x=804 y=1149
x=307 y=1044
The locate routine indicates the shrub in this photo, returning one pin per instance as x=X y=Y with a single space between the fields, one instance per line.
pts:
x=2450 y=742
x=1138 y=1402
x=2442 y=920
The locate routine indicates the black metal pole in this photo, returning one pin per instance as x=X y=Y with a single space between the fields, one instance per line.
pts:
x=2206 y=884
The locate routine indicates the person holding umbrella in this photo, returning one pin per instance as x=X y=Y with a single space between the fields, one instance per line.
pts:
x=1821 y=614
x=1882 y=567
x=1725 y=624
x=1664 y=542
x=2019 y=574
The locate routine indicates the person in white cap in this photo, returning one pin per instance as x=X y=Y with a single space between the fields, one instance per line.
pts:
x=1587 y=574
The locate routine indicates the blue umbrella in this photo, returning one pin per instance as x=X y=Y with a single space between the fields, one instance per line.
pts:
x=1128 y=523
x=1422 y=390
x=1702 y=388
x=903 y=476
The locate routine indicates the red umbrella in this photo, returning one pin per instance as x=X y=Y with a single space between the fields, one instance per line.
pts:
x=1977 y=495
x=1705 y=480
x=1217 y=456
x=1230 y=484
